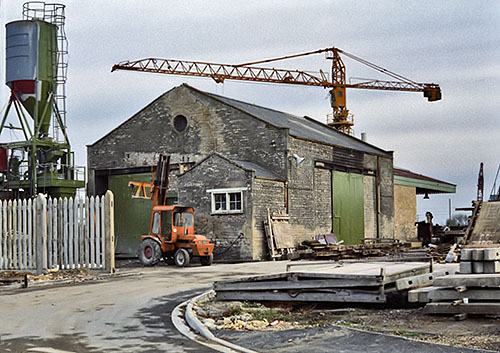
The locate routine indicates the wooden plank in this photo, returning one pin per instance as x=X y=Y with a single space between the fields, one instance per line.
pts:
x=92 y=231
x=50 y=234
x=469 y=280
x=21 y=217
x=269 y=235
x=76 y=238
x=98 y=232
x=109 y=226
x=103 y=232
x=87 y=232
x=472 y=221
x=15 y=237
x=470 y=308
x=55 y=234
x=423 y=280
x=449 y=294
x=67 y=244
x=81 y=230
x=341 y=296
x=282 y=232
x=30 y=234
x=69 y=226
x=9 y=234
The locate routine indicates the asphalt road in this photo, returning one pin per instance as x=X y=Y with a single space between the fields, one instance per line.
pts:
x=130 y=314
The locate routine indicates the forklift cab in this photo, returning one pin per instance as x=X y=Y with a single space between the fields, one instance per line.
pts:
x=171 y=222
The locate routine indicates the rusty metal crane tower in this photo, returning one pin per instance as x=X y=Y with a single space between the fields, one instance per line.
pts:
x=341 y=119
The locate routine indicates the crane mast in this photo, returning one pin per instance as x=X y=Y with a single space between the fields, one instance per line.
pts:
x=341 y=119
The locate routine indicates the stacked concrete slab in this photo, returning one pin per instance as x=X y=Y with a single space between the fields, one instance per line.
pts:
x=364 y=282
x=476 y=290
x=480 y=260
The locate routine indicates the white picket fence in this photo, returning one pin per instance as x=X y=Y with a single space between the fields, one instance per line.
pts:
x=43 y=234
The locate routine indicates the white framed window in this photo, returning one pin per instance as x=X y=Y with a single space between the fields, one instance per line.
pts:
x=225 y=201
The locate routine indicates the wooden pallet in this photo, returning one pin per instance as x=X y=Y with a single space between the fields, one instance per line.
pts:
x=279 y=235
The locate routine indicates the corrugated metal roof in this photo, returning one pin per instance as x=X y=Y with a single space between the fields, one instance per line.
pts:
x=260 y=172
x=301 y=126
x=410 y=174
x=422 y=183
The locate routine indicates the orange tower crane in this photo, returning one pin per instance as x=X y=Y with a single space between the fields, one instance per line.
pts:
x=341 y=119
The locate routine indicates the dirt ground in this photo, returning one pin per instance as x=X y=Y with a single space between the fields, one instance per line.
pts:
x=479 y=332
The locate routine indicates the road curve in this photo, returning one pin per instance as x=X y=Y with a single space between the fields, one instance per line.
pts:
x=129 y=314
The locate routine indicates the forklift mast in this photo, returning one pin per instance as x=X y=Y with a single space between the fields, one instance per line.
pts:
x=160 y=183
x=158 y=188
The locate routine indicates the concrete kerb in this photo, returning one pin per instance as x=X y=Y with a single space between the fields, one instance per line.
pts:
x=197 y=326
x=88 y=279
x=225 y=346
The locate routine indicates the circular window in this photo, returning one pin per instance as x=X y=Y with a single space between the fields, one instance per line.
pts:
x=180 y=123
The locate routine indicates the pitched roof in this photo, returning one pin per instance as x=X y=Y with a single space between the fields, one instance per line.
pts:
x=260 y=172
x=299 y=126
x=423 y=183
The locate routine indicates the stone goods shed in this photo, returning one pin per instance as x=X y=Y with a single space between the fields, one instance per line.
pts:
x=407 y=187
x=232 y=160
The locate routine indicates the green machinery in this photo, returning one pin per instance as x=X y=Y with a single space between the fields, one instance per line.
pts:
x=36 y=64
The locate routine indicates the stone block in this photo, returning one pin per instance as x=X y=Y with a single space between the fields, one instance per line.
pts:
x=477 y=254
x=477 y=267
x=466 y=255
x=465 y=267
x=491 y=254
x=491 y=266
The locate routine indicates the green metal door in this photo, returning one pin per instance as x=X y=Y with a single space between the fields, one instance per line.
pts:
x=132 y=216
x=348 y=207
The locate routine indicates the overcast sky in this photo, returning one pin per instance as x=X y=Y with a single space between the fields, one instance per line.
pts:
x=453 y=43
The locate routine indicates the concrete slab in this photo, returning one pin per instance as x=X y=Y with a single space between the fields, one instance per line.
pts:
x=472 y=280
x=487 y=227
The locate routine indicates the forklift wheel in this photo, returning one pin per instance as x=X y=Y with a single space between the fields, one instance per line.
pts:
x=149 y=252
x=207 y=260
x=182 y=258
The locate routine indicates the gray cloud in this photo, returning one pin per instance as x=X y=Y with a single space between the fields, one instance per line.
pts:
x=453 y=43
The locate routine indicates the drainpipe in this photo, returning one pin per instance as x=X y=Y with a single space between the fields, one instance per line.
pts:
x=377 y=195
x=285 y=201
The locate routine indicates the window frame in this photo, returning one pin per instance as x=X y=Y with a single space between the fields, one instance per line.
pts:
x=227 y=192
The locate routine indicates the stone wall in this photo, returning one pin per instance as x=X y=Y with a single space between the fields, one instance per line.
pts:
x=212 y=126
x=370 y=189
x=265 y=194
x=305 y=184
x=386 y=216
x=405 y=212
x=223 y=229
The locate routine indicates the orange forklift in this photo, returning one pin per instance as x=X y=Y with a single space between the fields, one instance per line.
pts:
x=171 y=231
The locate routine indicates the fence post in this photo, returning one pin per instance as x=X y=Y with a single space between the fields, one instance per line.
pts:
x=41 y=234
x=109 y=205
